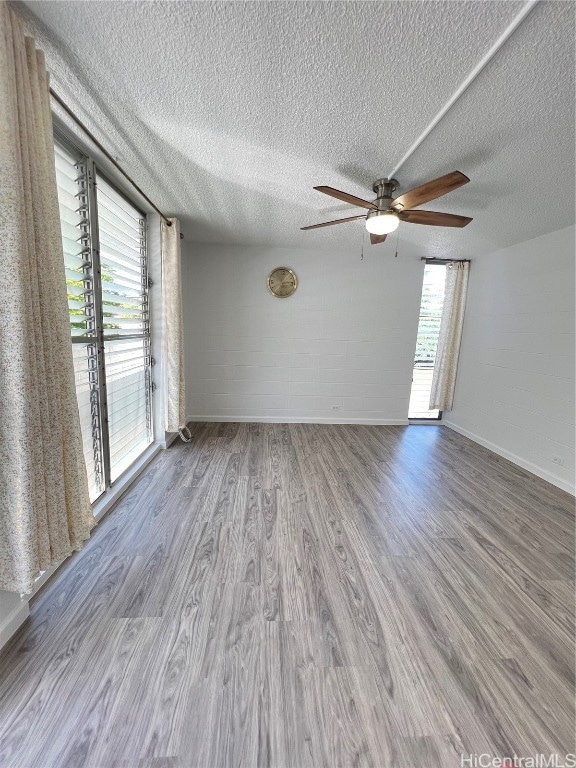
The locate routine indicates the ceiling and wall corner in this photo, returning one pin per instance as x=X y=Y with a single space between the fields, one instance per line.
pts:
x=228 y=114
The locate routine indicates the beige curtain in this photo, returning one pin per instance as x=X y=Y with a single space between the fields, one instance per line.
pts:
x=45 y=511
x=172 y=331
x=446 y=364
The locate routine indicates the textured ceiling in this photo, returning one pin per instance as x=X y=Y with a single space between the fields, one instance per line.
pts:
x=228 y=113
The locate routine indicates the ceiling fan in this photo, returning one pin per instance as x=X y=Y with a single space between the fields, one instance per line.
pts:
x=385 y=214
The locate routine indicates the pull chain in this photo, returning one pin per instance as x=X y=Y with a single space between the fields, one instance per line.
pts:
x=397 y=236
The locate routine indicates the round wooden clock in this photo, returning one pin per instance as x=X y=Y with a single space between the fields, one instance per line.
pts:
x=282 y=282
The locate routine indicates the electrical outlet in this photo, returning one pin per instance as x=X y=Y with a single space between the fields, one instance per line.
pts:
x=558 y=460
x=336 y=407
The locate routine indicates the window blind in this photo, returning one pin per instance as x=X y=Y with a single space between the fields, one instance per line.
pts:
x=123 y=264
x=430 y=314
x=125 y=325
x=71 y=179
x=73 y=201
x=104 y=244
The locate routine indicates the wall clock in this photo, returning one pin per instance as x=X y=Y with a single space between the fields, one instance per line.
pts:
x=282 y=282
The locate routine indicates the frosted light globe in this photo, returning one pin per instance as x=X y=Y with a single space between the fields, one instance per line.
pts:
x=382 y=222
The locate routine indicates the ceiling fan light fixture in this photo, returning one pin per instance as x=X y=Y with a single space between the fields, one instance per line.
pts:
x=385 y=213
x=382 y=222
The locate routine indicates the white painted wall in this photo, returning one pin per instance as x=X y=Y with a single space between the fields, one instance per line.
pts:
x=341 y=349
x=515 y=385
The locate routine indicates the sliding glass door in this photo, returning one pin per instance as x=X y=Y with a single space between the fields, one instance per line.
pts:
x=104 y=239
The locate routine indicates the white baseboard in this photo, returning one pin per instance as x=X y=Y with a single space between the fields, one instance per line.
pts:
x=170 y=437
x=13 y=620
x=296 y=420
x=540 y=472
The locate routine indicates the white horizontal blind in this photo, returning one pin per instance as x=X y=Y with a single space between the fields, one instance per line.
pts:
x=127 y=368
x=125 y=324
x=104 y=243
x=72 y=198
x=431 y=306
x=123 y=263
x=71 y=179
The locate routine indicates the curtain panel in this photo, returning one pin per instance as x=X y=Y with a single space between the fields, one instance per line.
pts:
x=451 y=323
x=45 y=511
x=172 y=331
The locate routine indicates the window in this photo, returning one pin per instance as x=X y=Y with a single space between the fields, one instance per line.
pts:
x=104 y=241
x=431 y=306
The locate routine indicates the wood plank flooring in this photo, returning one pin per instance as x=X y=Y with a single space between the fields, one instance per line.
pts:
x=304 y=596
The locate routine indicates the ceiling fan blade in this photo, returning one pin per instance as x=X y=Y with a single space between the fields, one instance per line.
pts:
x=336 y=221
x=429 y=191
x=433 y=218
x=352 y=199
x=375 y=239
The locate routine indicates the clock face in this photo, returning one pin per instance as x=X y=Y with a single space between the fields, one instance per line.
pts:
x=282 y=282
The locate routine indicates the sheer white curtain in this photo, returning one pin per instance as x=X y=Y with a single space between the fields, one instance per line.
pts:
x=172 y=332
x=45 y=511
x=446 y=364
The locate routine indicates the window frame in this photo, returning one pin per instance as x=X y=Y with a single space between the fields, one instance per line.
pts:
x=97 y=337
x=427 y=419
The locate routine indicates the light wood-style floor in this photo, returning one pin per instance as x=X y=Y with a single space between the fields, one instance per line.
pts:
x=305 y=596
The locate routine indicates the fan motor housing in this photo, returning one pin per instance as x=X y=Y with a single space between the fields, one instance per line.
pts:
x=384 y=189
